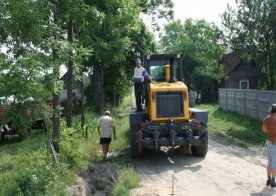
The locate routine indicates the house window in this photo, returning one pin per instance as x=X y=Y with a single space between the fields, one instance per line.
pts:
x=244 y=84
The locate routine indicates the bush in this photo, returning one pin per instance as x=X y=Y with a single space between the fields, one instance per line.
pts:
x=37 y=178
x=71 y=151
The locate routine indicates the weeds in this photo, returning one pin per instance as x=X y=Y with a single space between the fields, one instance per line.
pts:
x=231 y=126
x=129 y=179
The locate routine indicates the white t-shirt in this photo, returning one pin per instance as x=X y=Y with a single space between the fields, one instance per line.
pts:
x=139 y=74
x=106 y=124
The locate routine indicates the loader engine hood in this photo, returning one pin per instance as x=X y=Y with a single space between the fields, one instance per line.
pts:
x=168 y=101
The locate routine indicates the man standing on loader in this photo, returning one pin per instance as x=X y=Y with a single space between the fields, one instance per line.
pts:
x=140 y=74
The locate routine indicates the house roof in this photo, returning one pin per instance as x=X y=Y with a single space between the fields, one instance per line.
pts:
x=230 y=61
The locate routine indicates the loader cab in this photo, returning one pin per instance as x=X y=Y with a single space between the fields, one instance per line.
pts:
x=158 y=67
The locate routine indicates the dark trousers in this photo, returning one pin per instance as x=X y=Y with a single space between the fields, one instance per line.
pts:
x=138 y=89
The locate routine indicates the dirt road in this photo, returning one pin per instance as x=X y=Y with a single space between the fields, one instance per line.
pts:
x=226 y=170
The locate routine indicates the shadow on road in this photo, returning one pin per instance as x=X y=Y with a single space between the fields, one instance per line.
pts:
x=166 y=160
x=266 y=191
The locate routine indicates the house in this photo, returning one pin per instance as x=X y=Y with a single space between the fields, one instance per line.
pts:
x=239 y=74
x=76 y=90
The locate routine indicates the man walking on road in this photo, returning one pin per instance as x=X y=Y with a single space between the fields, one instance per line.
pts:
x=269 y=127
x=105 y=127
x=139 y=74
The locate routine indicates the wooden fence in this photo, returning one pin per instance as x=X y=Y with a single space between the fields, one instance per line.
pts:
x=253 y=103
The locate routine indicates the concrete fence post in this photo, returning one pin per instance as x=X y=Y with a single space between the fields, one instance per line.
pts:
x=235 y=99
x=257 y=104
x=226 y=96
x=219 y=97
x=244 y=101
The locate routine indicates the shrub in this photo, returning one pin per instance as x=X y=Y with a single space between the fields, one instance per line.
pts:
x=37 y=177
x=70 y=142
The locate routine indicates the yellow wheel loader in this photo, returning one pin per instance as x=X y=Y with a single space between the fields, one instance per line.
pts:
x=167 y=119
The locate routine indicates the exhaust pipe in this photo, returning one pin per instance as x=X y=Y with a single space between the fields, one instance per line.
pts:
x=172 y=79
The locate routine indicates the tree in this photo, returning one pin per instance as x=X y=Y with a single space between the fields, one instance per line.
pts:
x=113 y=32
x=201 y=45
x=33 y=34
x=250 y=29
x=70 y=15
x=24 y=64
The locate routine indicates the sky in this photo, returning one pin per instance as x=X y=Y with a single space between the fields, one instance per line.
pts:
x=210 y=10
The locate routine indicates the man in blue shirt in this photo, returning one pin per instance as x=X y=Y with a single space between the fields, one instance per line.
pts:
x=139 y=76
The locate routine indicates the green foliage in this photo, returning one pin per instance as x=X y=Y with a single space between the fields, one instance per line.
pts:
x=117 y=35
x=36 y=179
x=35 y=172
x=23 y=115
x=157 y=9
x=71 y=152
x=250 y=29
x=201 y=44
x=18 y=115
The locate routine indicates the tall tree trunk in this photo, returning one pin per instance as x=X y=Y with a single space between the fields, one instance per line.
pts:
x=82 y=102
x=69 y=78
x=56 y=74
x=99 y=89
x=270 y=63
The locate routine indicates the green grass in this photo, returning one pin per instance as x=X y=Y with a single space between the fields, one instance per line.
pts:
x=27 y=164
x=233 y=127
x=129 y=179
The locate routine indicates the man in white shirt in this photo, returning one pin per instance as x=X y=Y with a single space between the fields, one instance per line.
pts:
x=139 y=76
x=105 y=127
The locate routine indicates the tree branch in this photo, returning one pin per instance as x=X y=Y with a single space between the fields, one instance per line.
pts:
x=53 y=1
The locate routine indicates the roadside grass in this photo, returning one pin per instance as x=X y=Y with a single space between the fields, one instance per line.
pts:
x=27 y=167
x=233 y=127
x=129 y=179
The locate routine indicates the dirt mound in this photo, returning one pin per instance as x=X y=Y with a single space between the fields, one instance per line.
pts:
x=97 y=179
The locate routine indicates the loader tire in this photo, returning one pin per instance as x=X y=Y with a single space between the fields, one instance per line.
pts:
x=134 y=146
x=200 y=150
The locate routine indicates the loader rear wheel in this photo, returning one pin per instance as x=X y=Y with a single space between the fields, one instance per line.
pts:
x=200 y=150
x=134 y=146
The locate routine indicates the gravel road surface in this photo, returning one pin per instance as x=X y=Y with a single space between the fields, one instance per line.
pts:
x=225 y=170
